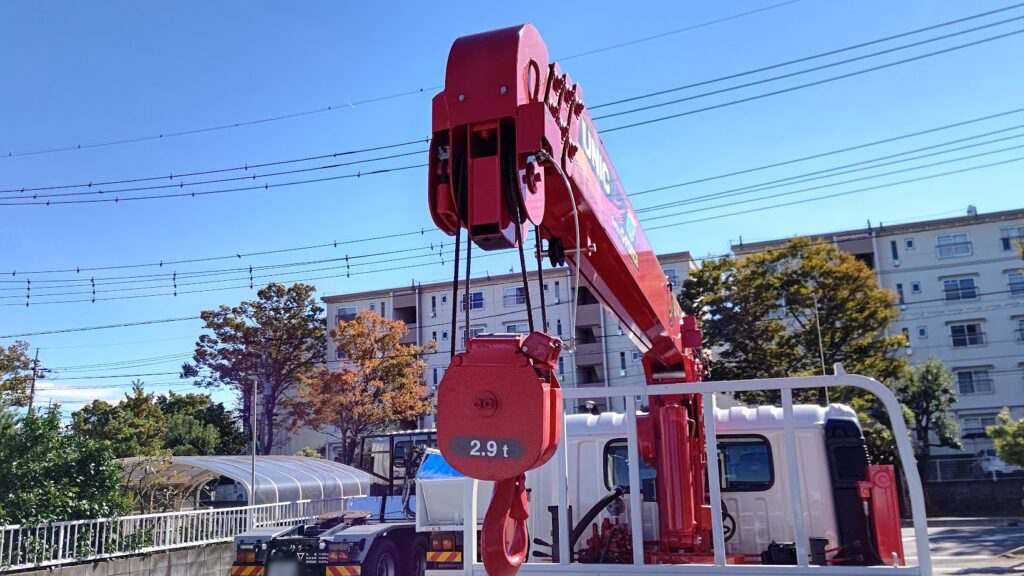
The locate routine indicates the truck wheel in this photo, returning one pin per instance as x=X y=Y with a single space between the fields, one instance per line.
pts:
x=382 y=560
x=416 y=561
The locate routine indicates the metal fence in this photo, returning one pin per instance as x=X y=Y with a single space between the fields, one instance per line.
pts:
x=55 y=543
x=970 y=468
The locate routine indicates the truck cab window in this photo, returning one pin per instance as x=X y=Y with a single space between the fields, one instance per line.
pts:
x=745 y=463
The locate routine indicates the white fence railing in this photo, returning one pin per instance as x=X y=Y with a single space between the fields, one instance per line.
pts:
x=630 y=394
x=55 y=543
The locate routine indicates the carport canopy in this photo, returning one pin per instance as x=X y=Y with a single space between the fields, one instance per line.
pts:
x=278 y=478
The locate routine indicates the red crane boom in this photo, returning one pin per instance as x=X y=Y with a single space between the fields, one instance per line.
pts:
x=513 y=144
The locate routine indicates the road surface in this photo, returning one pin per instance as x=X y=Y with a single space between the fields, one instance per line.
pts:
x=972 y=550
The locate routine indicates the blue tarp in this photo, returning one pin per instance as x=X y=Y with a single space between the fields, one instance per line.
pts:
x=434 y=466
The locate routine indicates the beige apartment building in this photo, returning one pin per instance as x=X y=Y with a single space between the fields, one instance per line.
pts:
x=604 y=355
x=960 y=286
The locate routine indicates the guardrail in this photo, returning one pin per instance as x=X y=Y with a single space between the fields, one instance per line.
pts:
x=56 y=543
x=719 y=566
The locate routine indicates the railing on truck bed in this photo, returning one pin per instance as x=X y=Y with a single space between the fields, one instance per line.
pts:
x=786 y=386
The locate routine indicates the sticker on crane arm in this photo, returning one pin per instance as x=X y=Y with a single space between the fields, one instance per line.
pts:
x=499 y=448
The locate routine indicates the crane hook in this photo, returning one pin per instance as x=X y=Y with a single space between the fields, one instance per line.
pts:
x=504 y=549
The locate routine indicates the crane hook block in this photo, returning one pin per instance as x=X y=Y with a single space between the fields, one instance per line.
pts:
x=499 y=414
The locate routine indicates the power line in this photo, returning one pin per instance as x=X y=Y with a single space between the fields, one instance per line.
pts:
x=810 y=84
x=334 y=244
x=102 y=327
x=182 y=184
x=167 y=135
x=193 y=194
x=244 y=167
x=838 y=194
x=353 y=104
x=798 y=72
x=807 y=58
x=676 y=31
x=832 y=173
x=239 y=255
x=830 y=152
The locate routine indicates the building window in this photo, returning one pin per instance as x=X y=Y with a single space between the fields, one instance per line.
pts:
x=915 y=287
x=966 y=335
x=895 y=251
x=976 y=424
x=618 y=329
x=558 y=327
x=952 y=245
x=515 y=295
x=561 y=366
x=518 y=328
x=373 y=307
x=476 y=301
x=435 y=377
x=433 y=335
x=345 y=314
x=636 y=355
x=960 y=289
x=622 y=361
x=382 y=309
x=339 y=354
x=1011 y=235
x=444 y=299
x=558 y=292
x=433 y=306
x=1016 y=282
x=672 y=275
x=909 y=244
x=473 y=333
x=922 y=332
x=906 y=334
x=899 y=292
x=1020 y=330
x=974 y=381
x=444 y=335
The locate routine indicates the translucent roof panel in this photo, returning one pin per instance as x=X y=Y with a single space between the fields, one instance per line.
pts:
x=282 y=478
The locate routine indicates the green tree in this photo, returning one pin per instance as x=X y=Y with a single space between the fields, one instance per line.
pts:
x=380 y=385
x=928 y=393
x=134 y=427
x=15 y=374
x=762 y=314
x=1008 y=435
x=50 y=473
x=199 y=414
x=276 y=340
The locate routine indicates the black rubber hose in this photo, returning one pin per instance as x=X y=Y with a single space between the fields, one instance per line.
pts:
x=596 y=509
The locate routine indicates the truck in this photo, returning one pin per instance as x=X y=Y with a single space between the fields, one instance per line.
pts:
x=674 y=483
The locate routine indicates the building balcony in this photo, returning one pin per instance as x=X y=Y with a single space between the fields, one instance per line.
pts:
x=410 y=335
x=589 y=354
x=588 y=315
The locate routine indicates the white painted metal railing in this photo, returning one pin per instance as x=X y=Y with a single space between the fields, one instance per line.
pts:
x=709 y=389
x=56 y=543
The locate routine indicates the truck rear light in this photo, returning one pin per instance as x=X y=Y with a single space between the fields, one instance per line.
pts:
x=442 y=543
x=245 y=556
x=337 y=553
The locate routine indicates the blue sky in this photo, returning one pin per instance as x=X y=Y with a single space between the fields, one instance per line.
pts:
x=76 y=73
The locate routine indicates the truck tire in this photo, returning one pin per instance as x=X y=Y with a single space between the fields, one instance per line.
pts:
x=416 y=560
x=382 y=559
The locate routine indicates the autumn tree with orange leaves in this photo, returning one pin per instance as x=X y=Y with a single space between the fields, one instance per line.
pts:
x=380 y=384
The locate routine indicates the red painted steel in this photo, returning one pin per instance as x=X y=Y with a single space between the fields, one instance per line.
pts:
x=880 y=493
x=506 y=128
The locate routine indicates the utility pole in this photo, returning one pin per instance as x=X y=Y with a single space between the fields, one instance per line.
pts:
x=32 y=389
x=821 y=347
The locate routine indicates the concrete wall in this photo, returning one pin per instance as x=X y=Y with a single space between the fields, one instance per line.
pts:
x=974 y=498
x=213 y=560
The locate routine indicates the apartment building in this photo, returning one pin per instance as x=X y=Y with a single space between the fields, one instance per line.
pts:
x=604 y=355
x=960 y=284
